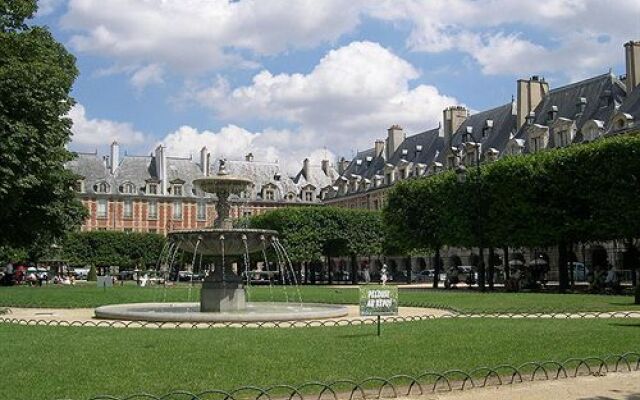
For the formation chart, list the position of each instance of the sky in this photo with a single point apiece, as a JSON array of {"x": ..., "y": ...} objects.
[{"x": 290, "y": 79}]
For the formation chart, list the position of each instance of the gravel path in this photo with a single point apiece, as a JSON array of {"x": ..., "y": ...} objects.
[{"x": 613, "y": 386}]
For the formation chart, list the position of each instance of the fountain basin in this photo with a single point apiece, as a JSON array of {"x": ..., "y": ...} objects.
[
  {"x": 190, "y": 312},
  {"x": 211, "y": 240}
]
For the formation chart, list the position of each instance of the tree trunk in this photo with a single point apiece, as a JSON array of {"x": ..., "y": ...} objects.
[
  {"x": 354, "y": 269},
  {"x": 505, "y": 263},
  {"x": 407, "y": 266},
  {"x": 563, "y": 270},
  {"x": 329, "y": 270},
  {"x": 490, "y": 271},
  {"x": 306, "y": 272},
  {"x": 313, "y": 272},
  {"x": 436, "y": 269},
  {"x": 481, "y": 271}
]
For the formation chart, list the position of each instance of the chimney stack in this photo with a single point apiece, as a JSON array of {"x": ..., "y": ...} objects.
[
  {"x": 205, "y": 161},
  {"x": 530, "y": 94},
  {"x": 342, "y": 165},
  {"x": 378, "y": 147},
  {"x": 115, "y": 156},
  {"x": 161, "y": 167},
  {"x": 632, "y": 59},
  {"x": 325, "y": 167},
  {"x": 395, "y": 137},
  {"x": 305, "y": 168},
  {"x": 452, "y": 118}
]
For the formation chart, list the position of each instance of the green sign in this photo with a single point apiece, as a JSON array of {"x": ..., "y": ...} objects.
[{"x": 378, "y": 300}]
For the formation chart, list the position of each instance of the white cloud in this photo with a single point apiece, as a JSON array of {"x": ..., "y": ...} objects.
[
  {"x": 151, "y": 74},
  {"x": 345, "y": 102},
  {"x": 562, "y": 37},
  {"x": 200, "y": 35},
  {"x": 233, "y": 143},
  {"x": 89, "y": 133}
]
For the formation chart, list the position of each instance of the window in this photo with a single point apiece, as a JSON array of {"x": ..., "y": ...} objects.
[
  {"x": 537, "y": 144},
  {"x": 102, "y": 208},
  {"x": 102, "y": 187},
  {"x": 389, "y": 178},
  {"x": 177, "y": 209},
  {"x": 152, "y": 209},
  {"x": 201, "y": 211},
  {"x": 152, "y": 188},
  {"x": 563, "y": 139},
  {"x": 176, "y": 190},
  {"x": 308, "y": 196},
  {"x": 246, "y": 213},
  {"x": 153, "y": 230},
  {"x": 127, "y": 188},
  {"x": 128, "y": 230},
  {"x": 269, "y": 194},
  {"x": 78, "y": 186},
  {"x": 376, "y": 205},
  {"x": 127, "y": 211}
]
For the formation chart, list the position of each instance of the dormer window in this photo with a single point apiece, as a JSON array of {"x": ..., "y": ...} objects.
[
  {"x": 276, "y": 177},
  {"x": 101, "y": 187},
  {"x": 308, "y": 195},
  {"x": 152, "y": 188},
  {"x": 176, "y": 189},
  {"x": 127, "y": 188},
  {"x": 269, "y": 193},
  {"x": 291, "y": 196},
  {"x": 78, "y": 186},
  {"x": 369, "y": 159},
  {"x": 419, "y": 148},
  {"x": 405, "y": 152},
  {"x": 563, "y": 138},
  {"x": 358, "y": 162}
]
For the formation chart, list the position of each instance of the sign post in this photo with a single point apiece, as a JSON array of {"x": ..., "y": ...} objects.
[{"x": 378, "y": 300}]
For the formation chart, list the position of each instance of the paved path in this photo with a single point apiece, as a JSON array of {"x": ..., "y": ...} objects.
[
  {"x": 86, "y": 315},
  {"x": 614, "y": 386}
]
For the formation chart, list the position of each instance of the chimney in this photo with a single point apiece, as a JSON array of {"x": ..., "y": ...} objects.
[
  {"x": 342, "y": 165},
  {"x": 632, "y": 59},
  {"x": 305, "y": 168},
  {"x": 249, "y": 157},
  {"x": 378, "y": 147},
  {"x": 530, "y": 94},
  {"x": 395, "y": 137},
  {"x": 161, "y": 167},
  {"x": 115, "y": 156},
  {"x": 205, "y": 161},
  {"x": 325, "y": 167},
  {"x": 452, "y": 118}
]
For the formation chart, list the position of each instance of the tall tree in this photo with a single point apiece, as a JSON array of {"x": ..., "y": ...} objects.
[{"x": 36, "y": 76}]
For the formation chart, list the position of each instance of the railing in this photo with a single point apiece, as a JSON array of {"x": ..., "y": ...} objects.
[{"x": 412, "y": 385}]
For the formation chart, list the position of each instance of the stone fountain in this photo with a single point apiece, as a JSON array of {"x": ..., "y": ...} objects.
[
  {"x": 223, "y": 290},
  {"x": 223, "y": 296}
]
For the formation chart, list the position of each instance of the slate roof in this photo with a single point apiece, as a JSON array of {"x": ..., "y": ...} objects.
[
  {"x": 593, "y": 90},
  {"x": 140, "y": 169},
  {"x": 430, "y": 144},
  {"x": 364, "y": 167},
  {"x": 631, "y": 105}
]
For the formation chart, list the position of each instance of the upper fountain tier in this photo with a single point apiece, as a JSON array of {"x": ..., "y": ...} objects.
[{"x": 223, "y": 183}]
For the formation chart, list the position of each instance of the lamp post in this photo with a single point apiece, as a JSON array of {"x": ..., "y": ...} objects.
[{"x": 461, "y": 174}]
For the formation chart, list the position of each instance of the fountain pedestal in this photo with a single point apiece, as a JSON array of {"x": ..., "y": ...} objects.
[{"x": 216, "y": 296}]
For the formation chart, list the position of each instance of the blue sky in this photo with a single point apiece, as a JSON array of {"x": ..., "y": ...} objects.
[{"x": 289, "y": 79}]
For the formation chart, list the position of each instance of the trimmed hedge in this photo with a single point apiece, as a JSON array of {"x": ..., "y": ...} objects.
[{"x": 586, "y": 192}]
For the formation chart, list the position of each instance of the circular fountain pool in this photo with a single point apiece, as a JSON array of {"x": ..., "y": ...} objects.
[{"x": 190, "y": 312}]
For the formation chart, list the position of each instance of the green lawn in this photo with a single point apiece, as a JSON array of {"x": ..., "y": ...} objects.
[
  {"x": 63, "y": 362},
  {"x": 90, "y": 296}
]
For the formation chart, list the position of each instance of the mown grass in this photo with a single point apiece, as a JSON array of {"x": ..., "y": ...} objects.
[
  {"x": 90, "y": 296},
  {"x": 77, "y": 363}
]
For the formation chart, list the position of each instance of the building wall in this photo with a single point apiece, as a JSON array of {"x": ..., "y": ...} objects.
[
  {"x": 140, "y": 221},
  {"x": 371, "y": 200}
]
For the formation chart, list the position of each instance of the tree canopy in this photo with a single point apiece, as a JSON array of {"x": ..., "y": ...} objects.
[
  {"x": 36, "y": 76},
  {"x": 580, "y": 193},
  {"x": 105, "y": 248},
  {"x": 309, "y": 233}
]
